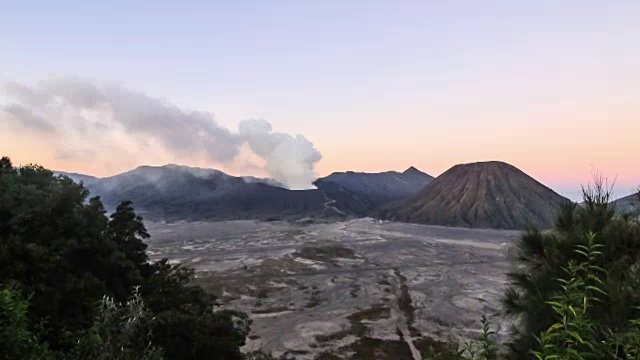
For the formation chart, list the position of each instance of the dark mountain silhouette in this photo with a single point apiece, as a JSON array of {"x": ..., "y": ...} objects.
[
  {"x": 174, "y": 192},
  {"x": 628, "y": 203},
  {"x": 362, "y": 193},
  {"x": 485, "y": 195},
  {"x": 86, "y": 179}
]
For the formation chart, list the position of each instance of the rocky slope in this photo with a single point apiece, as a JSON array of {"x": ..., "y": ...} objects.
[
  {"x": 484, "y": 195},
  {"x": 363, "y": 193},
  {"x": 627, "y": 203}
]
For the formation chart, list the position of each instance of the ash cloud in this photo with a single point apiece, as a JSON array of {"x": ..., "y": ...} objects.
[
  {"x": 286, "y": 157},
  {"x": 70, "y": 103}
]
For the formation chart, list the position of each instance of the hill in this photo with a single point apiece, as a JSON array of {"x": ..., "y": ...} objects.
[
  {"x": 174, "y": 192},
  {"x": 484, "y": 195},
  {"x": 627, "y": 203},
  {"x": 362, "y": 193},
  {"x": 86, "y": 179}
]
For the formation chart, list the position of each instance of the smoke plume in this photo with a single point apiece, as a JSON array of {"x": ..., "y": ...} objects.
[{"x": 77, "y": 107}]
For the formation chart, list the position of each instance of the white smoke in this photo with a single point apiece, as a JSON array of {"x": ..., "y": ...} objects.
[
  {"x": 63, "y": 103},
  {"x": 288, "y": 159}
]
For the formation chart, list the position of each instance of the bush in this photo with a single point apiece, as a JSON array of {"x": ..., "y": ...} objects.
[
  {"x": 119, "y": 331},
  {"x": 16, "y": 340},
  {"x": 544, "y": 258},
  {"x": 576, "y": 292},
  {"x": 58, "y": 245}
]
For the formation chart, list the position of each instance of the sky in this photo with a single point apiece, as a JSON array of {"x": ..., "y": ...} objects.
[{"x": 552, "y": 87}]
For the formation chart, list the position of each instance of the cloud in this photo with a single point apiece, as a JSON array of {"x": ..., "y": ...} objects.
[
  {"x": 181, "y": 131},
  {"x": 24, "y": 94},
  {"x": 82, "y": 111},
  {"x": 288, "y": 159},
  {"x": 82, "y": 155},
  {"x": 28, "y": 119}
]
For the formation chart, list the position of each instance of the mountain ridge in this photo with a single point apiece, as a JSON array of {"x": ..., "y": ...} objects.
[
  {"x": 182, "y": 192},
  {"x": 627, "y": 203},
  {"x": 363, "y": 193},
  {"x": 489, "y": 194}
]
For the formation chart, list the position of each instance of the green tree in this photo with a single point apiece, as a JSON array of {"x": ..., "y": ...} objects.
[
  {"x": 185, "y": 321},
  {"x": 542, "y": 258},
  {"x": 47, "y": 249},
  {"x": 57, "y": 244},
  {"x": 575, "y": 335},
  {"x": 119, "y": 331},
  {"x": 16, "y": 340},
  {"x": 484, "y": 348}
]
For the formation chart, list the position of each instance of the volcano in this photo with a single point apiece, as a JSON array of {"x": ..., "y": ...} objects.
[{"x": 481, "y": 195}]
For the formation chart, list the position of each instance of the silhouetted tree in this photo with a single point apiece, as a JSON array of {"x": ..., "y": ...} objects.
[
  {"x": 58, "y": 245},
  {"x": 543, "y": 257},
  {"x": 16, "y": 340}
]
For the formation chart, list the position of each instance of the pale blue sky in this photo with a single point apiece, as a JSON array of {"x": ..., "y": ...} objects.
[{"x": 391, "y": 83}]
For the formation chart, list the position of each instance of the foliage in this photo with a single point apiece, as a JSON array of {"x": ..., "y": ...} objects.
[
  {"x": 544, "y": 257},
  {"x": 120, "y": 331},
  {"x": 58, "y": 245},
  {"x": 576, "y": 336},
  {"x": 485, "y": 348},
  {"x": 575, "y": 294},
  {"x": 16, "y": 340}
]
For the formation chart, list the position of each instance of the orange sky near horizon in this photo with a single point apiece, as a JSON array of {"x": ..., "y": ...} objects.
[
  {"x": 548, "y": 154},
  {"x": 558, "y": 138}
]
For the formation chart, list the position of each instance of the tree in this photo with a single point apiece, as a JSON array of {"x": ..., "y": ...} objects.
[
  {"x": 5, "y": 164},
  {"x": 185, "y": 320},
  {"x": 542, "y": 258},
  {"x": 119, "y": 331},
  {"x": 47, "y": 249},
  {"x": 16, "y": 340},
  {"x": 575, "y": 335},
  {"x": 58, "y": 245}
]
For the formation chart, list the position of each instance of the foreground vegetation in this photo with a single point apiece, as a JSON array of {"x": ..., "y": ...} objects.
[
  {"x": 77, "y": 284},
  {"x": 575, "y": 293}
]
